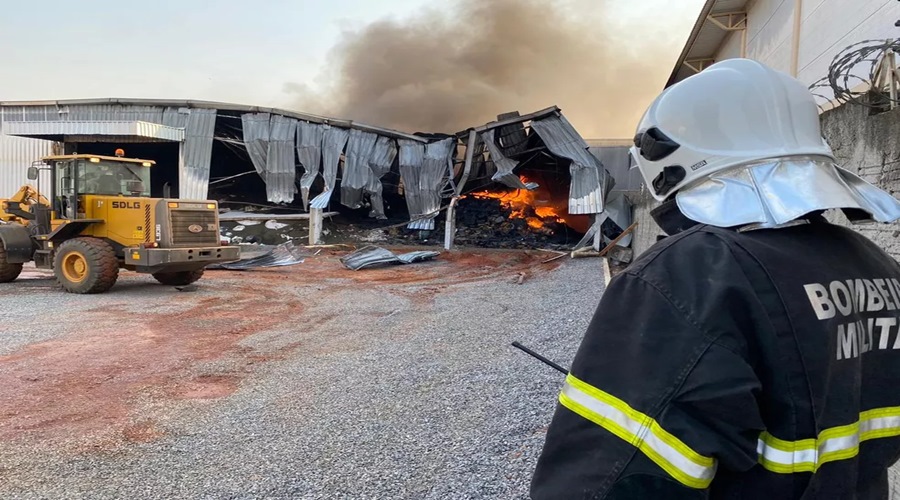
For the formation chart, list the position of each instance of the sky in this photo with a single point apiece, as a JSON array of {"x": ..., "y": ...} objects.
[{"x": 254, "y": 53}]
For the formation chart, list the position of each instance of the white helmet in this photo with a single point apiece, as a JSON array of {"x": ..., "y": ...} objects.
[{"x": 734, "y": 112}]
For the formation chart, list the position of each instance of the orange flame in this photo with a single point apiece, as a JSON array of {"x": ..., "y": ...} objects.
[{"x": 519, "y": 202}]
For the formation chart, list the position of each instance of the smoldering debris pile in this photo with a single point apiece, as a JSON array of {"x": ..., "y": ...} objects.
[{"x": 487, "y": 222}]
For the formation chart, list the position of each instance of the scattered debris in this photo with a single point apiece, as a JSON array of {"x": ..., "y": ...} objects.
[
  {"x": 256, "y": 256},
  {"x": 273, "y": 224},
  {"x": 618, "y": 238},
  {"x": 551, "y": 259},
  {"x": 373, "y": 256},
  {"x": 520, "y": 279},
  {"x": 621, "y": 254},
  {"x": 585, "y": 252},
  {"x": 336, "y": 245},
  {"x": 247, "y": 218},
  {"x": 607, "y": 272}
]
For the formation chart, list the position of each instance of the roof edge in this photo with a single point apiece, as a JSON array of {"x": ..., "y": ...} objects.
[
  {"x": 190, "y": 103},
  {"x": 695, "y": 32}
]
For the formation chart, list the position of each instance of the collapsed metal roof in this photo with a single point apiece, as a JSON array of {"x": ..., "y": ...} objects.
[{"x": 291, "y": 150}]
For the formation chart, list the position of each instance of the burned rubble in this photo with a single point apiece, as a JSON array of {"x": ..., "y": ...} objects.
[{"x": 523, "y": 181}]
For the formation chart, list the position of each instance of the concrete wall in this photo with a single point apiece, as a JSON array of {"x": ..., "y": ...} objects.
[
  {"x": 870, "y": 147},
  {"x": 646, "y": 232}
]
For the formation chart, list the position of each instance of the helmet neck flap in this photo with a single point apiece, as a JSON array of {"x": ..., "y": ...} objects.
[{"x": 740, "y": 144}]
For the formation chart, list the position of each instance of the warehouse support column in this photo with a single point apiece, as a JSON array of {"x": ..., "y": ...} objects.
[
  {"x": 182, "y": 173},
  {"x": 795, "y": 40},
  {"x": 450, "y": 223},
  {"x": 315, "y": 226}
]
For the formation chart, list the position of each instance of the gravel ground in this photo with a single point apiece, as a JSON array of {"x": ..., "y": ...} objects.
[{"x": 383, "y": 389}]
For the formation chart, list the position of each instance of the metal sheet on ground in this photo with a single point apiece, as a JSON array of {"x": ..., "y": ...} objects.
[{"x": 374, "y": 256}]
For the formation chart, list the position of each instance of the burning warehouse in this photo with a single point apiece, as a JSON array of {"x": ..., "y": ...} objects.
[{"x": 526, "y": 180}]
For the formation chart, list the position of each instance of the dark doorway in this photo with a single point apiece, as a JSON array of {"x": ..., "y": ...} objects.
[{"x": 165, "y": 154}]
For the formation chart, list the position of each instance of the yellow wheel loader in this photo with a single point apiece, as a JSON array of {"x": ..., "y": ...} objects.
[{"x": 98, "y": 217}]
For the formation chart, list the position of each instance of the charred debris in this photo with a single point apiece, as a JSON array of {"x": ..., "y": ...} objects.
[{"x": 522, "y": 181}]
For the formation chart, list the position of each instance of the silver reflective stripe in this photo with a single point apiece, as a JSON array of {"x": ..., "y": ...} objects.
[
  {"x": 642, "y": 432},
  {"x": 837, "y": 443}
]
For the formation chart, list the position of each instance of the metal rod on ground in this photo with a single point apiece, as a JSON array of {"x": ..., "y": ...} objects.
[
  {"x": 617, "y": 239},
  {"x": 542, "y": 359}
]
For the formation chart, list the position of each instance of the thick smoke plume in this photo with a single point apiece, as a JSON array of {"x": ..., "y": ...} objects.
[{"x": 443, "y": 71}]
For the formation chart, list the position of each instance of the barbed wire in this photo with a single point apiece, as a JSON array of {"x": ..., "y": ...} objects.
[{"x": 853, "y": 66}]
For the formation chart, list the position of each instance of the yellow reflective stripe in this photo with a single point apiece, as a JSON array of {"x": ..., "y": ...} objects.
[
  {"x": 641, "y": 431},
  {"x": 642, "y": 419},
  {"x": 836, "y": 443}
]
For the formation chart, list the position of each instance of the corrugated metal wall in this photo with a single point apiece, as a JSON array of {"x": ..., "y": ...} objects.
[
  {"x": 16, "y": 155},
  {"x": 198, "y": 124},
  {"x": 618, "y": 163}
]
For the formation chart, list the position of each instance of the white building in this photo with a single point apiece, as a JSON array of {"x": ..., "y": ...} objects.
[{"x": 799, "y": 37}]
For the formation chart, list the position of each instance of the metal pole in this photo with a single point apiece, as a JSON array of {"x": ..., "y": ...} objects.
[
  {"x": 470, "y": 153},
  {"x": 744, "y": 38},
  {"x": 795, "y": 47},
  {"x": 450, "y": 222}
]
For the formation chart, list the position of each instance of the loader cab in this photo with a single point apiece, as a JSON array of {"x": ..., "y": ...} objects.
[{"x": 73, "y": 176}]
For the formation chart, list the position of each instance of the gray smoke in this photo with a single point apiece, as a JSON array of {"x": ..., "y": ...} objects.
[{"x": 444, "y": 71}]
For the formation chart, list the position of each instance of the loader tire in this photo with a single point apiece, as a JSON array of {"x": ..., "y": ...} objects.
[
  {"x": 8, "y": 272},
  {"x": 86, "y": 265},
  {"x": 179, "y": 278}
]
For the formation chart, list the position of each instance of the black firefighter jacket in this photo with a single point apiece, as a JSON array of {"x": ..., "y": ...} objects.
[{"x": 724, "y": 364}]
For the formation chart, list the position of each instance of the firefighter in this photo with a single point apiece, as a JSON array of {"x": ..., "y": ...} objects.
[{"x": 755, "y": 352}]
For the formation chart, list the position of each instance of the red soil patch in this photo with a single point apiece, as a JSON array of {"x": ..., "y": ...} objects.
[{"x": 90, "y": 381}]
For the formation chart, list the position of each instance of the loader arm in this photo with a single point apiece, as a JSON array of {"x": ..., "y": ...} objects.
[{"x": 19, "y": 204}]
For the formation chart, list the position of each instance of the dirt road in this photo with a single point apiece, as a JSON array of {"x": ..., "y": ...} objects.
[{"x": 310, "y": 381}]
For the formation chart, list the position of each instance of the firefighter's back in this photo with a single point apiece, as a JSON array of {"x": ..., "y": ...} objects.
[{"x": 830, "y": 367}]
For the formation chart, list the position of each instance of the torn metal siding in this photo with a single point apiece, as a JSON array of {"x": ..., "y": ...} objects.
[
  {"x": 193, "y": 179},
  {"x": 619, "y": 210},
  {"x": 512, "y": 138},
  {"x": 256, "y": 139},
  {"x": 356, "y": 172},
  {"x": 309, "y": 152},
  {"x": 333, "y": 142},
  {"x": 590, "y": 181},
  {"x": 503, "y": 164},
  {"x": 412, "y": 155},
  {"x": 281, "y": 170},
  {"x": 380, "y": 162},
  {"x": 422, "y": 183}
]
